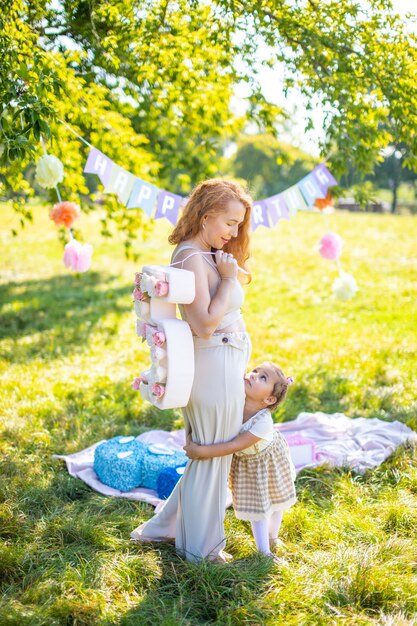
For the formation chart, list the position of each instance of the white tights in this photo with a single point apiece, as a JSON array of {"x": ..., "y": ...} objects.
[{"x": 266, "y": 530}]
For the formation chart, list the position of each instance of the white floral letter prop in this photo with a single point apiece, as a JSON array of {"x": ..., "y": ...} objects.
[{"x": 158, "y": 289}]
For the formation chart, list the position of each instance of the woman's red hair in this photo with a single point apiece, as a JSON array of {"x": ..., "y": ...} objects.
[{"x": 210, "y": 197}]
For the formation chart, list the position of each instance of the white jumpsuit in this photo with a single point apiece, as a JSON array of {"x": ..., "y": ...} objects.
[{"x": 194, "y": 513}]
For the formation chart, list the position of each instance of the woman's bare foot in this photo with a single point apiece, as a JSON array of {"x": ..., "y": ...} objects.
[
  {"x": 222, "y": 557},
  {"x": 138, "y": 538}
]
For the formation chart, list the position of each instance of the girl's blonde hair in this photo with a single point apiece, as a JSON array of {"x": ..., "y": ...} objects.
[
  {"x": 210, "y": 197},
  {"x": 280, "y": 388}
]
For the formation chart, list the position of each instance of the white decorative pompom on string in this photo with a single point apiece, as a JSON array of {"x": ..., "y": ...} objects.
[
  {"x": 344, "y": 287},
  {"x": 49, "y": 171}
]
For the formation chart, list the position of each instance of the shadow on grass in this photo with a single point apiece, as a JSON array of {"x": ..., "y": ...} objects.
[
  {"x": 57, "y": 314},
  {"x": 320, "y": 393},
  {"x": 323, "y": 392},
  {"x": 318, "y": 485},
  {"x": 204, "y": 593},
  {"x": 101, "y": 412}
]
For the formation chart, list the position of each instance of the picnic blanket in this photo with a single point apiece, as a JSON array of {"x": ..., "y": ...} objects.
[{"x": 359, "y": 443}]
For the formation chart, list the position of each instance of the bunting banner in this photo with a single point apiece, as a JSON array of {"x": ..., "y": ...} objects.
[{"x": 134, "y": 193}]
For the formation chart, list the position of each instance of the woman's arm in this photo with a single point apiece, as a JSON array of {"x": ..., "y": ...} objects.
[
  {"x": 240, "y": 442},
  {"x": 205, "y": 312}
]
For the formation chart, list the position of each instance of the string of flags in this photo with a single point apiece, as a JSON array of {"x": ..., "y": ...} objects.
[
  {"x": 310, "y": 193},
  {"x": 134, "y": 192}
]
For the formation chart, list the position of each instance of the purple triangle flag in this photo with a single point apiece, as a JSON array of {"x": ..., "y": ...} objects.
[
  {"x": 98, "y": 163},
  {"x": 259, "y": 215},
  {"x": 323, "y": 178},
  {"x": 277, "y": 208},
  {"x": 168, "y": 205}
]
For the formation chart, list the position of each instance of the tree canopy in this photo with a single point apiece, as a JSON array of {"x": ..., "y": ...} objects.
[
  {"x": 150, "y": 84},
  {"x": 269, "y": 166}
]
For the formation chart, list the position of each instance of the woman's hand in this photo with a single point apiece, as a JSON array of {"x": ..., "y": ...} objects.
[
  {"x": 226, "y": 264},
  {"x": 193, "y": 450}
]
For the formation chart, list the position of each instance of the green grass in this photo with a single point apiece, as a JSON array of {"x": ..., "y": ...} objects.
[{"x": 68, "y": 353}]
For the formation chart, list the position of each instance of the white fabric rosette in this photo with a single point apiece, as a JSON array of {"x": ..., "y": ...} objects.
[
  {"x": 147, "y": 284},
  {"x": 158, "y": 353},
  {"x": 157, "y": 374},
  {"x": 142, "y": 309}
]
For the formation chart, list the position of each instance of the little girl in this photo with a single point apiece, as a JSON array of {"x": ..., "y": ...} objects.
[{"x": 262, "y": 473}]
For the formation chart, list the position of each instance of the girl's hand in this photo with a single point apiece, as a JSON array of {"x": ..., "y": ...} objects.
[
  {"x": 226, "y": 264},
  {"x": 193, "y": 450}
]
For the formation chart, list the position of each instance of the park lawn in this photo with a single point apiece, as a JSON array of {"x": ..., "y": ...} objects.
[{"x": 68, "y": 353}]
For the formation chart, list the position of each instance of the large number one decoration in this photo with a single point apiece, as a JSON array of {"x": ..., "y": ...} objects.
[{"x": 158, "y": 289}]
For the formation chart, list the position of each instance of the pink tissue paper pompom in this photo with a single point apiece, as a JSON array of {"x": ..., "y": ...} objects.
[
  {"x": 331, "y": 246},
  {"x": 158, "y": 338},
  {"x": 158, "y": 390},
  {"x": 161, "y": 288},
  {"x": 78, "y": 256}
]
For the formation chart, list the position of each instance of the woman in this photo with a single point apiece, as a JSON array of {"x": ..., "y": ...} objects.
[{"x": 216, "y": 217}]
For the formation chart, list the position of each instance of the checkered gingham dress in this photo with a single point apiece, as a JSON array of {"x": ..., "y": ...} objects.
[{"x": 263, "y": 482}]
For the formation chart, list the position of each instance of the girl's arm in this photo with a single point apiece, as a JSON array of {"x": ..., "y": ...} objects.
[
  {"x": 240, "y": 442},
  {"x": 205, "y": 313}
]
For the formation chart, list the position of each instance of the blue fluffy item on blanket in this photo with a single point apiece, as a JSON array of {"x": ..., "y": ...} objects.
[
  {"x": 166, "y": 481},
  {"x": 155, "y": 461},
  {"x": 124, "y": 463},
  {"x": 118, "y": 462}
]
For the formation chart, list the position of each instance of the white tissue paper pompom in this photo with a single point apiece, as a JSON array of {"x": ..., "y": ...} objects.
[
  {"x": 344, "y": 287},
  {"x": 49, "y": 171}
]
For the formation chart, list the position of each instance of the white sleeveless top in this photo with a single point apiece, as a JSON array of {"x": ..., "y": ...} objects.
[{"x": 236, "y": 297}]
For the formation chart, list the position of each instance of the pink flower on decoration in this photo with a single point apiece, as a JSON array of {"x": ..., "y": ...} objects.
[
  {"x": 158, "y": 390},
  {"x": 331, "y": 246},
  {"x": 161, "y": 288},
  {"x": 138, "y": 380},
  {"x": 138, "y": 277},
  {"x": 78, "y": 256},
  {"x": 158, "y": 338},
  {"x": 138, "y": 294}
]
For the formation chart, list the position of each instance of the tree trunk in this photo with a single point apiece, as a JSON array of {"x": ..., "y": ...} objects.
[
  {"x": 394, "y": 196},
  {"x": 395, "y": 182}
]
